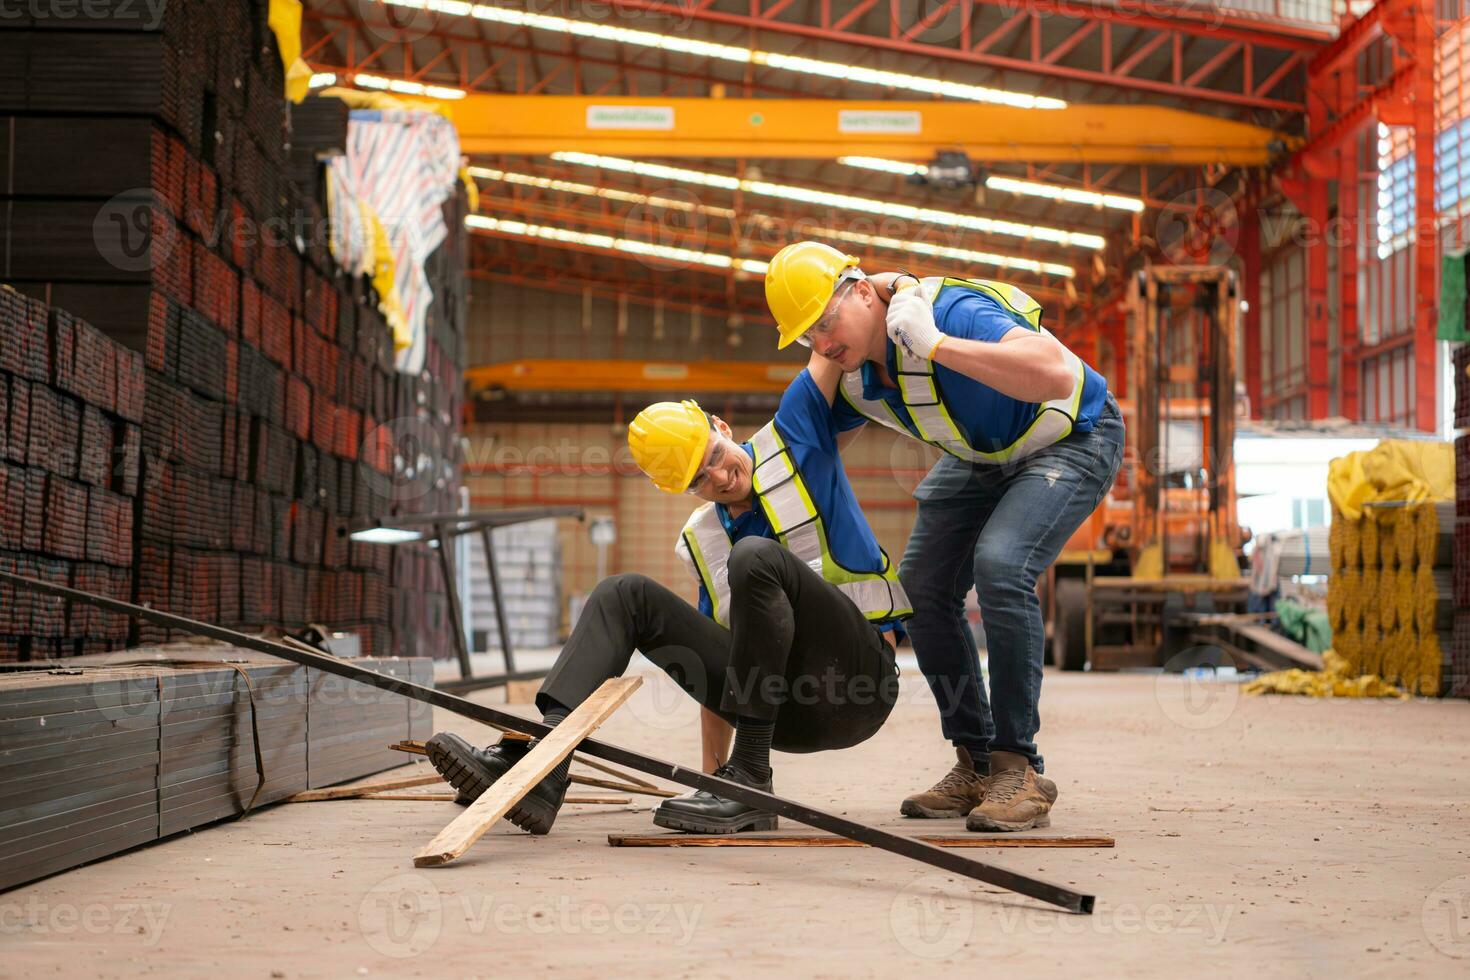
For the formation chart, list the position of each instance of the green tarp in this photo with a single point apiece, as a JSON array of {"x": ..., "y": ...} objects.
[
  {"x": 1308, "y": 627},
  {"x": 1452, "y": 300}
]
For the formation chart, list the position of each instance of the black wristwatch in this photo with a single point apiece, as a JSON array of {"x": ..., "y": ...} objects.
[{"x": 893, "y": 286}]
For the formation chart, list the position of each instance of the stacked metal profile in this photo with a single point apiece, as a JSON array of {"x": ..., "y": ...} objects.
[
  {"x": 146, "y": 192},
  {"x": 71, "y": 402},
  {"x": 1458, "y": 680},
  {"x": 96, "y": 760},
  {"x": 528, "y": 558}
]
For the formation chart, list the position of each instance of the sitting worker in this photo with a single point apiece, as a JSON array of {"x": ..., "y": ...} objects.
[
  {"x": 792, "y": 640},
  {"x": 1031, "y": 441}
]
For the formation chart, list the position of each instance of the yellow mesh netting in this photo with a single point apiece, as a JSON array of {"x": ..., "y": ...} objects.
[
  {"x": 1382, "y": 600},
  {"x": 1336, "y": 680}
]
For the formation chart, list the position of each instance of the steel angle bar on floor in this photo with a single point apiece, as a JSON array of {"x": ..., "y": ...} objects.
[
  {"x": 1045, "y": 891},
  {"x": 812, "y": 840}
]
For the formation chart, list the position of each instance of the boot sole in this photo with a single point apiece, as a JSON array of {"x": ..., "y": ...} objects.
[
  {"x": 911, "y": 809},
  {"x": 471, "y": 780},
  {"x": 729, "y": 825},
  {"x": 982, "y": 823}
]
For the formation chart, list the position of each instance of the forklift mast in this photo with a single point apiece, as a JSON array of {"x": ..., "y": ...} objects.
[{"x": 1183, "y": 330}]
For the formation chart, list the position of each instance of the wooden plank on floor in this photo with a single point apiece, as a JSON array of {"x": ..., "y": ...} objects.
[
  {"x": 623, "y": 787},
  {"x": 362, "y": 789},
  {"x": 450, "y": 797},
  {"x": 626, "y": 777},
  {"x": 417, "y": 748},
  {"x": 496, "y": 802},
  {"x": 813, "y": 840}
]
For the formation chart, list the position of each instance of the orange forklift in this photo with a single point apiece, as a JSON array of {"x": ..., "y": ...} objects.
[{"x": 1160, "y": 560}]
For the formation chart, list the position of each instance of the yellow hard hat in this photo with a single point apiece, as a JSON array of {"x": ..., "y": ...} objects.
[
  {"x": 800, "y": 283},
  {"x": 668, "y": 440}
]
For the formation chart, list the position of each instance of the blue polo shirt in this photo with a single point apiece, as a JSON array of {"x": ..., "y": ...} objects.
[
  {"x": 989, "y": 420},
  {"x": 806, "y": 424}
]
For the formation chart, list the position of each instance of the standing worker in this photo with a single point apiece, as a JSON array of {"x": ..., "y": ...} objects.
[
  {"x": 1031, "y": 439},
  {"x": 792, "y": 640}
]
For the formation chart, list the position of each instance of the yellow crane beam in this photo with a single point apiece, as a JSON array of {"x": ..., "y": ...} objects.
[{"x": 827, "y": 128}]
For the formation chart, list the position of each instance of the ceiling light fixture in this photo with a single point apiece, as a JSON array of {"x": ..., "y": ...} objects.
[
  {"x": 805, "y": 195},
  {"x": 505, "y": 226},
  {"x": 405, "y": 87},
  {"x": 965, "y": 255},
  {"x": 609, "y": 193},
  {"x": 1071, "y": 195}
]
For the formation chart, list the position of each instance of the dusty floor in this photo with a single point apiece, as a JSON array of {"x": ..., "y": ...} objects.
[{"x": 1255, "y": 837}]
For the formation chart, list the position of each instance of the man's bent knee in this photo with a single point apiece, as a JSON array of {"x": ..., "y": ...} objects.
[
  {"x": 748, "y": 554},
  {"x": 931, "y": 594},
  {"x": 617, "y": 588},
  {"x": 995, "y": 569}
]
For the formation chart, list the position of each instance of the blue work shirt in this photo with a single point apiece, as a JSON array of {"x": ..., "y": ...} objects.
[
  {"x": 807, "y": 426},
  {"x": 988, "y": 420}
]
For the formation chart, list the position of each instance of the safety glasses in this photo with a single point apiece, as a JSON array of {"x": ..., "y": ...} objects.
[
  {"x": 828, "y": 319},
  {"x": 702, "y": 474}
]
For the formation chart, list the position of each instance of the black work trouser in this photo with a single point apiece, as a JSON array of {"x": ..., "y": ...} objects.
[{"x": 798, "y": 652}]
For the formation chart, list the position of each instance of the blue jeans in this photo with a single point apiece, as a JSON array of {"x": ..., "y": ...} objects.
[{"x": 998, "y": 526}]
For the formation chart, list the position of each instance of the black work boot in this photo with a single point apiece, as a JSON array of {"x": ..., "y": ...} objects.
[
  {"x": 472, "y": 771},
  {"x": 705, "y": 813}
]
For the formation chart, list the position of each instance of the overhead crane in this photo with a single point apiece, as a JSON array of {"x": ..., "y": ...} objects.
[{"x": 827, "y": 128}]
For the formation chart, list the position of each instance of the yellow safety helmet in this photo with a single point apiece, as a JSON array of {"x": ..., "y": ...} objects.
[
  {"x": 668, "y": 440},
  {"x": 800, "y": 283}
]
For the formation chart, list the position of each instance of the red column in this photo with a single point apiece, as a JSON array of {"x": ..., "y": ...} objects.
[
  {"x": 1318, "y": 404},
  {"x": 1426, "y": 229},
  {"x": 1347, "y": 269},
  {"x": 1250, "y": 290},
  {"x": 1117, "y": 328}
]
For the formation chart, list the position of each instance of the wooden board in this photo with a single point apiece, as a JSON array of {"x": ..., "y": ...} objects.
[
  {"x": 417, "y": 748},
  {"x": 362, "y": 789},
  {"x": 450, "y": 798},
  {"x": 626, "y": 777},
  {"x": 769, "y": 840},
  {"x": 497, "y": 801},
  {"x": 624, "y": 787}
]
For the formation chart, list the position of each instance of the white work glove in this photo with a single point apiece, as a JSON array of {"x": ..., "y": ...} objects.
[{"x": 911, "y": 323}]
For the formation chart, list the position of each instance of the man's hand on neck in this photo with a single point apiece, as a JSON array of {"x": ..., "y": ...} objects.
[{"x": 883, "y": 282}]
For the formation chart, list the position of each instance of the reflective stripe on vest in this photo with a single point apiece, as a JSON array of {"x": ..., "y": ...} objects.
[
  {"x": 919, "y": 388},
  {"x": 705, "y": 545}
]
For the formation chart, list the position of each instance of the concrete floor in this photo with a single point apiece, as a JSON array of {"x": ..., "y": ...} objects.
[{"x": 1255, "y": 837}]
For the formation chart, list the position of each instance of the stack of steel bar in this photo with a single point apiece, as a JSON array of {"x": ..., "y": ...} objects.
[
  {"x": 102, "y": 758},
  {"x": 70, "y": 405},
  {"x": 271, "y": 408},
  {"x": 1390, "y": 595},
  {"x": 1458, "y": 672}
]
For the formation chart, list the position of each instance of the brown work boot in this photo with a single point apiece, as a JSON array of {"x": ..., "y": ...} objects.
[
  {"x": 1016, "y": 798},
  {"x": 959, "y": 792}
]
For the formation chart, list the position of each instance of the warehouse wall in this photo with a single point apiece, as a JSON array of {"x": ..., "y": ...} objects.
[{"x": 519, "y": 464}]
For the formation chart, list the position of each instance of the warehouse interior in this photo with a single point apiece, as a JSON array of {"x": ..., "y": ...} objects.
[{"x": 340, "y": 342}]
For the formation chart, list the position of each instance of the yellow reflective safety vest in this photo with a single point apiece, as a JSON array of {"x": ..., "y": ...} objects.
[
  {"x": 925, "y": 403},
  {"x": 705, "y": 545}
]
